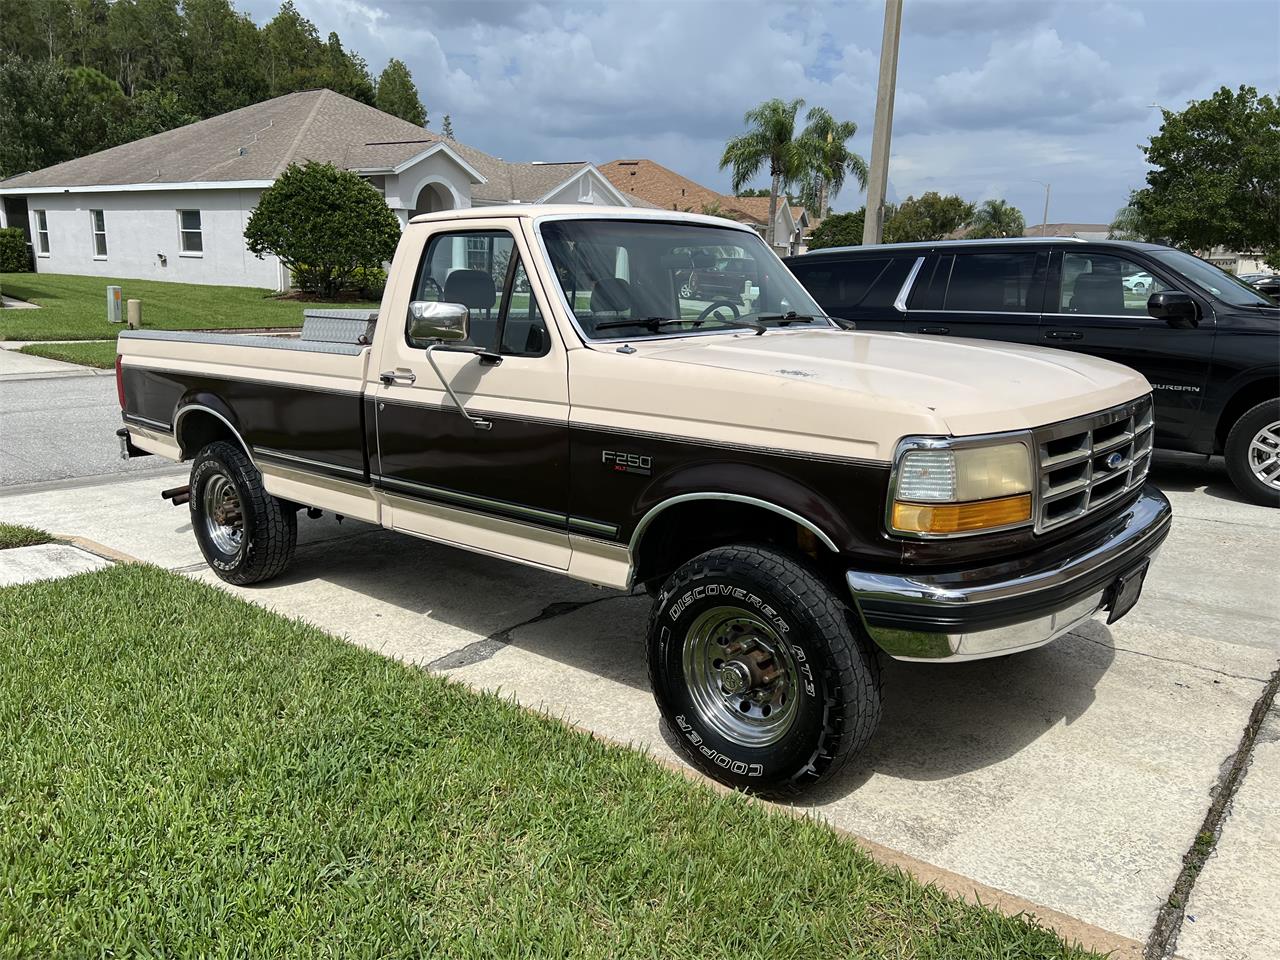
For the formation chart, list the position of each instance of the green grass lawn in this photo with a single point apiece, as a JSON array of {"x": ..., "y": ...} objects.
[
  {"x": 91, "y": 353},
  {"x": 75, "y": 308},
  {"x": 184, "y": 774},
  {"x": 16, "y": 535}
]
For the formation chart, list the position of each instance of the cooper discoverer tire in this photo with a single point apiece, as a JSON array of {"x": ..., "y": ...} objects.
[
  {"x": 758, "y": 673},
  {"x": 245, "y": 534},
  {"x": 1253, "y": 452}
]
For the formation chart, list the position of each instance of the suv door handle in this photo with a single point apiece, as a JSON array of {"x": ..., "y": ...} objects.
[
  {"x": 1064, "y": 335},
  {"x": 395, "y": 376},
  {"x": 933, "y": 329}
]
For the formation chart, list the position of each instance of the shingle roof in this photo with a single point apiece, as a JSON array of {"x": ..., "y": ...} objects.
[
  {"x": 661, "y": 187},
  {"x": 258, "y": 142},
  {"x": 252, "y": 143}
]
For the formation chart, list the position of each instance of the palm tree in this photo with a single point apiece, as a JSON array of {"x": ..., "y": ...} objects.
[
  {"x": 825, "y": 140},
  {"x": 997, "y": 218},
  {"x": 771, "y": 140}
]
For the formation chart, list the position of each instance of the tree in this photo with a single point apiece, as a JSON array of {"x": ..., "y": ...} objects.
[
  {"x": 771, "y": 140},
  {"x": 446, "y": 128},
  {"x": 398, "y": 96},
  {"x": 829, "y": 158},
  {"x": 839, "y": 230},
  {"x": 324, "y": 224},
  {"x": 1217, "y": 175},
  {"x": 751, "y": 192},
  {"x": 346, "y": 73},
  {"x": 931, "y": 217},
  {"x": 997, "y": 218},
  {"x": 1129, "y": 224},
  {"x": 152, "y": 112}
]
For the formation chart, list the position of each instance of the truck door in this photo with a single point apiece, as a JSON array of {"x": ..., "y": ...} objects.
[
  {"x": 1097, "y": 304},
  {"x": 500, "y": 485},
  {"x": 987, "y": 294}
]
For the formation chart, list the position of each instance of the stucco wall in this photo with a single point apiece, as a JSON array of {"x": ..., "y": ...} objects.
[{"x": 141, "y": 225}]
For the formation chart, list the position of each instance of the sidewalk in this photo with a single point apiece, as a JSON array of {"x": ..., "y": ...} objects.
[{"x": 24, "y": 366}]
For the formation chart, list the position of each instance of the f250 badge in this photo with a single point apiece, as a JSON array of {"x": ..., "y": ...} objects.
[{"x": 619, "y": 461}]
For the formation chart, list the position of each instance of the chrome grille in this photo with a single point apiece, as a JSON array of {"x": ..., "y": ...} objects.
[{"x": 1087, "y": 462}]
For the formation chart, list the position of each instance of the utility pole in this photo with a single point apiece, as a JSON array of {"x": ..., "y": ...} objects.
[
  {"x": 1044, "y": 220},
  {"x": 873, "y": 225}
]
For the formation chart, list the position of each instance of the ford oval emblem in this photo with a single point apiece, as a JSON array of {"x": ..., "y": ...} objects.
[{"x": 1113, "y": 462}]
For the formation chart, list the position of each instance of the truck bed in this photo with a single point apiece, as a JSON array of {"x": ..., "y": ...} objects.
[{"x": 295, "y": 400}]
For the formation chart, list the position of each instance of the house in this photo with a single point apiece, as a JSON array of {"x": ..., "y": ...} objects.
[
  {"x": 661, "y": 187},
  {"x": 174, "y": 206},
  {"x": 1081, "y": 231}
]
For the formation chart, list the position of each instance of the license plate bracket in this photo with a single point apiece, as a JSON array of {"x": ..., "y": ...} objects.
[{"x": 1126, "y": 590}]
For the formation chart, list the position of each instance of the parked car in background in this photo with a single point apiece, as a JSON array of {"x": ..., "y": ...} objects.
[
  {"x": 791, "y": 493},
  {"x": 1268, "y": 284},
  {"x": 1208, "y": 343},
  {"x": 717, "y": 278}
]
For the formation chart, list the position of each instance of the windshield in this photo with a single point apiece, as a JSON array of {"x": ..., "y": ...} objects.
[
  {"x": 1224, "y": 286},
  {"x": 633, "y": 279}
]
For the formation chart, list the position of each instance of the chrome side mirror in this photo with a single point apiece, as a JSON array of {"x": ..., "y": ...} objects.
[{"x": 430, "y": 320}]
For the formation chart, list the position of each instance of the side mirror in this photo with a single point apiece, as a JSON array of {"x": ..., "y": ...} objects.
[
  {"x": 1175, "y": 308},
  {"x": 440, "y": 322}
]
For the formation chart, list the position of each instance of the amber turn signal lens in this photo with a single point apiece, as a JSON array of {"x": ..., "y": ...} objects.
[{"x": 961, "y": 517}]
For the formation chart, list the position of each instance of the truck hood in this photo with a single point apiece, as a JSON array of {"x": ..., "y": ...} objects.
[{"x": 973, "y": 386}]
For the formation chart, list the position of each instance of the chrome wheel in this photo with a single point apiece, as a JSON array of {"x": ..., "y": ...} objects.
[
  {"x": 1264, "y": 455},
  {"x": 223, "y": 521},
  {"x": 741, "y": 676}
]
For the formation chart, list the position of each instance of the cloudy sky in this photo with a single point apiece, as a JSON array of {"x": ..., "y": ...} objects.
[{"x": 993, "y": 95}]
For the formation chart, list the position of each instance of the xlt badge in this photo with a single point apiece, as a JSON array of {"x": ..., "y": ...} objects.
[{"x": 620, "y": 461}]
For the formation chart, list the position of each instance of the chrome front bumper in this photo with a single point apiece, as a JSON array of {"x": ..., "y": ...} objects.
[{"x": 1012, "y": 606}]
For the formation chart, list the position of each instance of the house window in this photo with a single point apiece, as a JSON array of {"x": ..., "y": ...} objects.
[
  {"x": 42, "y": 233},
  {"x": 190, "y": 235},
  {"x": 99, "y": 225}
]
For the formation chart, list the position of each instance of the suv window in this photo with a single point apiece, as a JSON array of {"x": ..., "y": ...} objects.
[
  {"x": 1102, "y": 284},
  {"x": 992, "y": 282},
  {"x": 843, "y": 286},
  {"x": 482, "y": 271}
]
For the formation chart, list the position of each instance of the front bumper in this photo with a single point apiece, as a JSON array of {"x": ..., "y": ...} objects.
[{"x": 1011, "y": 606}]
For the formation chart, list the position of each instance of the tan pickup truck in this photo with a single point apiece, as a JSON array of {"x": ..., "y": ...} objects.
[{"x": 542, "y": 384}]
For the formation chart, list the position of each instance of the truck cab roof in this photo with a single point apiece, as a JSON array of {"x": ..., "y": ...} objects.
[{"x": 578, "y": 210}]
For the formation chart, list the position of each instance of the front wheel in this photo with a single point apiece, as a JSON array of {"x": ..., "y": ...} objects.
[
  {"x": 1253, "y": 454},
  {"x": 758, "y": 673},
  {"x": 245, "y": 534}
]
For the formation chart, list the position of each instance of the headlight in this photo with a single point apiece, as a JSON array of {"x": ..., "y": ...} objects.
[{"x": 946, "y": 487}]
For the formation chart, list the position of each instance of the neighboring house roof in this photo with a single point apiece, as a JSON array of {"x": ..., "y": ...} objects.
[
  {"x": 1085, "y": 231},
  {"x": 663, "y": 188},
  {"x": 255, "y": 144}
]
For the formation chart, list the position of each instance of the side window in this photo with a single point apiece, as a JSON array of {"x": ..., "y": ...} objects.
[
  {"x": 840, "y": 286},
  {"x": 482, "y": 271},
  {"x": 524, "y": 331},
  {"x": 931, "y": 283},
  {"x": 470, "y": 269},
  {"x": 1104, "y": 285},
  {"x": 992, "y": 283}
]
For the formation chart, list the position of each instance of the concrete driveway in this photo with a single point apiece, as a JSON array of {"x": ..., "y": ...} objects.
[{"x": 1076, "y": 776}]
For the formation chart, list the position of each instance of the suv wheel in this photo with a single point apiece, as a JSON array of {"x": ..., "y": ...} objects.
[
  {"x": 758, "y": 673},
  {"x": 1253, "y": 454},
  {"x": 245, "y": 534}
]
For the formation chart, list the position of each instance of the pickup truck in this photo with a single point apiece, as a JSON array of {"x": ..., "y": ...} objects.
[{"x": 799, "y": 498}]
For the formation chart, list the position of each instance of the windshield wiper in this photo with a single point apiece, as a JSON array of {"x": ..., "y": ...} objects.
[
  {"x": 655, "y": 324},
  {"x": 785, "y": 319}
]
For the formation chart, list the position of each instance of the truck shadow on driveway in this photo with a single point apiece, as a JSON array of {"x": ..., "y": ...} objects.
[
  {"x": 1187, "y": 473},
  {"x": 940, "y": 720}
]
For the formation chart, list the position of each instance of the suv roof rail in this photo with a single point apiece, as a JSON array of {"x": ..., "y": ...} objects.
[{"x": 930, "y": 244}]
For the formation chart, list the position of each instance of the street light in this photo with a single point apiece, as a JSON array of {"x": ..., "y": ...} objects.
[
  {"x": 1044, "y": 221},
  {"x": 873, "y": 223}
]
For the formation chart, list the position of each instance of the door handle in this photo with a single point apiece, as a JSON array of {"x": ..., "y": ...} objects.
[
  {"x": 1064, "y": 335},
  {"x": 933, "y": 329},
  {"x": 395, "y": 376}
]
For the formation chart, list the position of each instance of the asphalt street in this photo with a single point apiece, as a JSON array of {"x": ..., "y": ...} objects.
[
  {"x": 1074, "y": 777},
  {"x": 60, "y": 427}
]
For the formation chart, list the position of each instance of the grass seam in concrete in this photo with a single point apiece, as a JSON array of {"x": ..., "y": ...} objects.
[{"x": 1164, "y": 935}]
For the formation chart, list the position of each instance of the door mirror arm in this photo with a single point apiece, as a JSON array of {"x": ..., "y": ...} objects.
[{"x": 477, "y": 422}]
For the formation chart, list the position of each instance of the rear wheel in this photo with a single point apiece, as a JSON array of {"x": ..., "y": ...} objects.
[
  {"x": 758, "y": 673},
  {"x": 245, "y": 534},
  {"x": 1253, "y": 454}
]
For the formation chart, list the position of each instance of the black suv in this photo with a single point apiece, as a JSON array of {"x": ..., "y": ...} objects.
[{"x": 1208, "y": 343}]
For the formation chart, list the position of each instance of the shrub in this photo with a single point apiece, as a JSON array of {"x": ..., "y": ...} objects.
[
  {"x": 324, "y": 224},
  {"x": 14, "y": 257}
]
